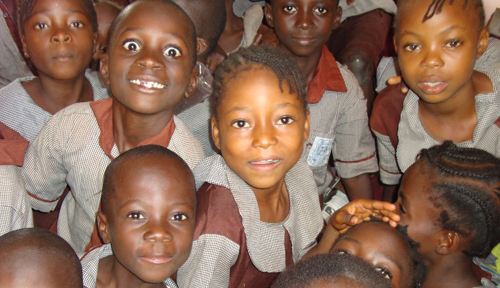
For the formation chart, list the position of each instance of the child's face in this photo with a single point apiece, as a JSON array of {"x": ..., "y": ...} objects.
[
  {"x": 151, "y": 217},
  {"x": 417, "y": 210},
  {"x": 303, "y": 26},
  {"x": 382, "y": 247},
  {"x": 150, "y": 57},
  {"x": 106, "y": 13},
  {"x": 260, "y": 130},
  {"x": 58, "y": 38},
  {"x": 437, "y": 56}
]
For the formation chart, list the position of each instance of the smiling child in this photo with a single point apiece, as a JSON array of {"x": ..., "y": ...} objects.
[
  {"x": 438, "y": 43},
  {"x": 147, "y": 220},
  {"x": 149, "y": 68},
  {"x": 339, "y": 119}
]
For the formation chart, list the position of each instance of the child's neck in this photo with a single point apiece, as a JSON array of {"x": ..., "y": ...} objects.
[
  {"x": 111, "y": 274},
  {"x": 131, "y": 128},
  {"x": 308, "y": 65},
  {"x": 451, "y": 271},
  {"x": 231, "y": 37},
  {"x": 53, "y": 95},
  {"x": 274, "y": 202},
  {"x": 455, "y": 119}
]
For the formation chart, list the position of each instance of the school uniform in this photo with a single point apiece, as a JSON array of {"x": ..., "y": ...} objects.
[
  {"x": 232, "y": 247},
  {"x": 339, "y": 124},
  {"x": 401, "y": 136},
  {"x": 90, "y": 266},
  {"x": 74, "y": 149},
  {"x": 15, "y": 209},
  {"x": 19, "y": 112}
]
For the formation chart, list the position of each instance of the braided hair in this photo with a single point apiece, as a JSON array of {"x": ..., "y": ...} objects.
[
  {"x": 437, "y": 6},
  {"x": 257, "y": 57},
  {"x": 467, "y": 187}
]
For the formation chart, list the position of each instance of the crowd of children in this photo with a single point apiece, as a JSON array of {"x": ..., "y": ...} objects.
[{"x": 176, "y": 143}]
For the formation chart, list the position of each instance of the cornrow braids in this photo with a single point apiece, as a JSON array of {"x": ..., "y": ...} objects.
[
  {"x": 246, "y": 59},
  {"x": 467, "y": 188}
]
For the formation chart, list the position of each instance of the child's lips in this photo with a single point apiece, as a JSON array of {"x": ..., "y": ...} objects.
[
  {"x": 157, "y": 260},
  {"x": 432, "y": 87},
  {"x": 265, "y": 165},
  {"x": 304, "y": 40}
]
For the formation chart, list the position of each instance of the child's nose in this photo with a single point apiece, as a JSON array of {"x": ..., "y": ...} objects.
[
  {"x": 432, "y": 59},
  {"x": 304, "y": 20},
  {"x": 158, "y": 232},
  {"x": 151, "y": 60},
  {"x": 60, "y": 36},
  {"x": 264, "y": 136}
]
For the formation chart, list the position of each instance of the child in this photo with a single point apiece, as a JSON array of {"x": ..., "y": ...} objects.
[
  {"x": 339, "y": 121},
  {"x": 386, "y": 248},
  {"x": 450, "y": 202},
  {"x": 331, "y": 270},
  {"x": 438, "y": 43},
  {"x": 35, "y": 257},
  {"x": 106, "y": 12},
  {"x": 15, "y": 208},
  {"x": 58, "y": 37},
  {"x": 149, "y": 67},
  {"x": 258, "y": 211},
  {"x": 147, "y": 220},
  {"x": 195, "y": 110}
]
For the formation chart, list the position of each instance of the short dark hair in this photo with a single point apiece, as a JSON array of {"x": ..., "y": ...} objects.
[
  {"x": 332, "y": 268},
  {"x": 209, "y": 18},
  {"x": 436, "y": 7},
  {"x": 258, "y": 56},
  {"x": 43, "y": 248},
  {"x": 134, "y": 154},
  {"x": 417, "y": 268},
  {"x": 192, "y": 30},
  {"x": 24, "y": 8},
  {"x": 466, "y": 186}
]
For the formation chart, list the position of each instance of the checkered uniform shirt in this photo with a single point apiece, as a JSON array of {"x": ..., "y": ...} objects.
[{"x": 67, "y": 152}]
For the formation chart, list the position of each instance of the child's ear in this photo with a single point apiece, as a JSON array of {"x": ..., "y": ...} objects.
[
  {"x": 482, "y": 44},
  {"x": 25, "y": 47},
  {"x": 215, "y": 132},
  {"x": 104, "y": 68},
  {"x": 338, "y": 17},
  {"x": 268, "y": 12},
  {"x": 448, "y": 242},
  {"x": 201, "y": 46},
  {"x": 306, "y": 125},
  {"x": 94, "y": 45},
  {"x": 102, "y": 226},
  {"x": 193, "y": 82},
  {"x": 394, "y": 42}
]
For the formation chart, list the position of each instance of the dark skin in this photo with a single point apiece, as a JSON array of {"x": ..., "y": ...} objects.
[
  {"x": 141, "y": 112},
  {"x": 233, "y": 31}
]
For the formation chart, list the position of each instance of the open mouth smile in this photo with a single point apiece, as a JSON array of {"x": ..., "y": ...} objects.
[{"x": 148, "y": 84}]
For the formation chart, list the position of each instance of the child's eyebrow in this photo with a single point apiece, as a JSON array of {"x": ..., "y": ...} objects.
[
  {"x": 142, "y": 30},
  {"x": 390, "y": 258},
  {"x": 50, "y": 12}
]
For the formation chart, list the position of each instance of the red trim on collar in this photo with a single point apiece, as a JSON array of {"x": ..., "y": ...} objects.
[
  {"x": 12, "y": 146},
  {"x": 104, "y": 114},
  {"x": 326, "y": 77}
]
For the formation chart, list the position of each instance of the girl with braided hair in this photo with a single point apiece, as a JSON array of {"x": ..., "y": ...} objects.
[{"x": 450, "y": 201}]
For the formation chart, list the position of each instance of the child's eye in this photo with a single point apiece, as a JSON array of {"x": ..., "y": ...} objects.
[
  {"x": 411, "y": 47},
  {"x": 172, "y": 52},
  {"x": 402, "y": 209},
  {"x": 384, "y": 272},
  {"x": 103, "y": 49},
  {"x": 76, "y": 25},
  {"x": 341, "y": 252},
  {"x": 179, "y": 217},
  {"x": 40, "y": 26},
  {"x": 135, "y": 215},
  {"x": 285, "y": 120},
  {"x": 321, "y": 10},
  {"x": 131, "y": 45},
  {"x": 240, "y": 124},
  {"x": 454, "y": 43},
  {"x": 289, "y": 9}
]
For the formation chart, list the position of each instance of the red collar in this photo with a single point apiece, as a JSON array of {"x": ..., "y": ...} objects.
[
  {"x": 326, "y": 77},
  {"x": 104, "y": 114},
  {"x": 12, "y": 146}
]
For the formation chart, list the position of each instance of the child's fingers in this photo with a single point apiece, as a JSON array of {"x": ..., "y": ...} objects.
[
  {"x": 257, "y": 39},
  {"x": 395, "y": 80}
]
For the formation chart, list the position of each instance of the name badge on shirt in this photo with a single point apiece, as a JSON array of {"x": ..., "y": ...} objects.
[{"x": 320, "y": 151}]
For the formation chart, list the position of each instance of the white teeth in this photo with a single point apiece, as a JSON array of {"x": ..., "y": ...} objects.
[
  {"x": 432, "y": 84},
  {"x": 148, "y": 84},
  {"x": 269, "y": 161}
]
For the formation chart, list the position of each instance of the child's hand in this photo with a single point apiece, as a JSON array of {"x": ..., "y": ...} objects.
[
  {"x": 360, "y": 210},
  {"x": 266, "y": 36},
  {"x": 215, "y": 58},
  {"x": 396, "y": 80}
]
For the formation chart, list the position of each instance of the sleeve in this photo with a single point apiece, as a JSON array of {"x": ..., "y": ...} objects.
[
  {"x": 43, "y": 171},
  {"x": 15, "y": 209},
  {"x": 353, "y": 148},
  {"x": 389, "y": 170}
]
